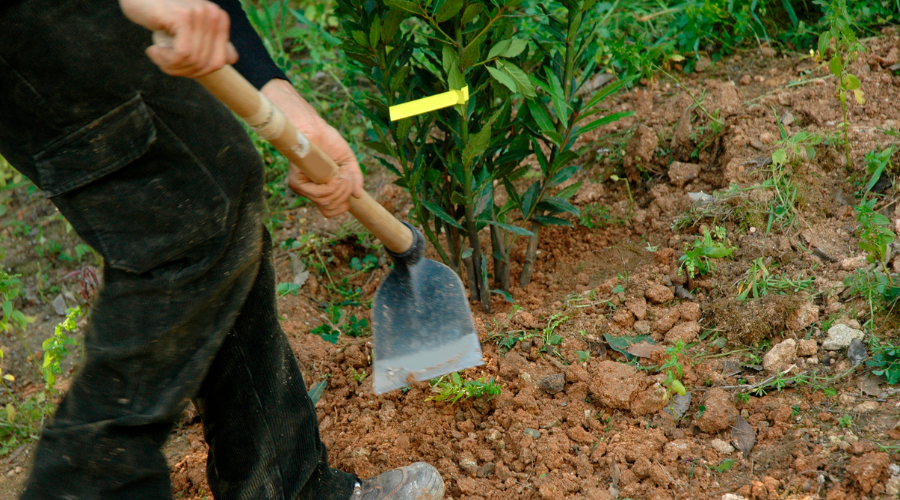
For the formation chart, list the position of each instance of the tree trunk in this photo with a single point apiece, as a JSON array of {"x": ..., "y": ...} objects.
[{"x": 530, "y": 255}]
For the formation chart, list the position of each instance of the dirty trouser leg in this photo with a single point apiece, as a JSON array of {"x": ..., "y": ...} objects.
[
  {"x": 254, "y": 402},
  {"x": 163, "y": 182}
]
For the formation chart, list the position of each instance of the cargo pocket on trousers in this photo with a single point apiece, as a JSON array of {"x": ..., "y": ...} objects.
[{"x": 132, "y": 189}]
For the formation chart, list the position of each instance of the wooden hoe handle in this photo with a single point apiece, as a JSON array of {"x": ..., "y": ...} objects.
[{"x": 269, "y": 123}]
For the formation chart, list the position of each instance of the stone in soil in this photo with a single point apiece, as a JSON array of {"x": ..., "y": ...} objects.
[
  {"x": 640, "y": 149},
  {"x": 658, "y": 294},
  {"x": 721, "y": 446},
  {"x": 854, "y": 263},
  {"x": 551, "y": 384},
  {"x": 840, "y": 336},
  {"x": 685, "y": 332},
  {"x": 683, "y": 173},
  {"x": 780, "y": 357},
  {"x": 719, "y": 413},
  {"x": 868, "y": 469},
  {"x": 807, "y": 347},
  {"x": 802, "y": 317}
]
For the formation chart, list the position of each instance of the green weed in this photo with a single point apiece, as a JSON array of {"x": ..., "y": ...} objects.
[
  {"x": 885, "y": 361},
  {"x": 596, "y": 216},
  {"x": 759, "y": 281},
  {"x": 846, "y": 47},
  {"x": 452, "y": 388},
  {"x": 696, "y": 259}
]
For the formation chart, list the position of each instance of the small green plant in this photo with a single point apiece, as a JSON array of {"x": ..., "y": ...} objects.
[
  {"x": 56, "y": 348},
  {"x": 284, "y": 289},
  {"x": 759, "y": 281},
  {"x": 673, "y": 370},
  {"x": 596, "y": 216},
  {"x": 845, "y": 421},
  {"x": 583, "y": 356},
  {"x": 724, "y": 466},
  {"x": 358, "y": 376},
  {"x": 879, "y": 289},
  {"x": 452, "y": 388},
  {"x": 885, "y": 361},
  {"x": 696, "y": 258},
  {"x": 336, "y": 323},
  {"x": 875, "y": 236},
  {"x": 550, "y": 338},
  {"x": 846, "y": 48}
]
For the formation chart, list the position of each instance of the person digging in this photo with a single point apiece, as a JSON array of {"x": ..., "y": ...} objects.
[{"x": 160, "y": 178}]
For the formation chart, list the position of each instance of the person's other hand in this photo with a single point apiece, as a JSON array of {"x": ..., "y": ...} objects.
[
  {"x": 199, "y": 31},
  {"x": 333, "y": 197}
]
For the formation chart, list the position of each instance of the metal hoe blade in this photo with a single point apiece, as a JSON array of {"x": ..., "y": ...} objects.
[{"x": 421, "y": 323}]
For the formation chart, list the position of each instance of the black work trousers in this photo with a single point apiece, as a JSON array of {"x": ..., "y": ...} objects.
[{"x": 160, "y": 179}]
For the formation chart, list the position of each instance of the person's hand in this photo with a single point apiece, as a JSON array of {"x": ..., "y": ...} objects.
[
  {"x": 199, "y": 31},
  {"x": 333, "y": 197}
]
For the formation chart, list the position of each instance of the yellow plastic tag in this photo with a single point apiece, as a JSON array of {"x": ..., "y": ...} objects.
[{"x": 429, "y": 104}]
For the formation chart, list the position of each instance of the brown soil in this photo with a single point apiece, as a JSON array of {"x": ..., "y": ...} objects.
[{"x": 608, "y": 433}]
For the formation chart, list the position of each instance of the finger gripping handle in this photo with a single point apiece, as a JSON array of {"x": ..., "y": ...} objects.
[{"x": 269, "y": 123}]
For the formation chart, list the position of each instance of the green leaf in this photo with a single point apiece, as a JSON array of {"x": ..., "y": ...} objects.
[
  {"x": 529, "y": 198},
  {"x": 471, "y": 13},
  {"x": 412, "y": 7},
  {"x": 455, "y": 79},
  {"x": 852, "y": 82},
  {"x": 557, "y": 95},
  {"x": 449, "y": 58},
  {"x": 471, "y": 54},
  {"x": 836, "y": 66},
  {"x": 391, "y": 24},
  {"x": 540, "y": 115},
  {"x": 551, "y": 221},
  {"x": 569, "y": 191},
  {"x": 477, "y": 144},
  {"x": 779, "y": 156},
  {"x": 506, "y": 296},
  {"x": 441, "y": 214},
  {"x": 824, "y": 41},
  {"x": 315, "y": 392},
  {"x": 560, "y": 205},
  {"x": 521, "y": 231},
  {"x": 375, "y": 32},
  {"x": 606, "y": 91},
  {"x": 507, "y": 48},
  {"x": 621, "y": 344},
  {"x": 605, "y": 121},
  {"x": 360, "y": 38},
  {"x": 448, "y": 9},
  {"x": 513, "y": 78}
]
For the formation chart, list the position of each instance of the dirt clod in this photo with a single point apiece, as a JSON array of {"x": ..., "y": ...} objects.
[
  {"x": 868, "y": 469},
  {"x": 780, "y": 357},
  {"x": 551, "y": 384},
  {"x": 658, "y": 294},
  {"x": 719, "y": 413}
]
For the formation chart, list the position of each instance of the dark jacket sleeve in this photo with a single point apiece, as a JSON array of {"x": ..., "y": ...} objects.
[{"x": 254, "y": 62}]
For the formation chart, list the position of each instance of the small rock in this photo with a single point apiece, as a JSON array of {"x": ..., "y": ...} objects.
[
  {"x": 642, "y": 327},
  {"x": 638, "y": 307},
  {"x": 733, "y": 496},
  {"x": 856, "y": 352},
  {"x": 486, "y": 470},
  {"x": 554, "y": 383},
  {"x": 868, "y": 469},
  {"x": 685, "y": 332},
  {"x": 719, "y": 413},
  {"x": 659, "y": 294},
  {"x": 767, "y": 138},
  {"x": 867, "y": 406},
  {"x": 682, "y": 173},
  {"x": 690, "y": 311},
  {"x": 807, "y": 347},
  {"x": 802, "y": 317},
  {"x": 59, "y": 305},
  {"x": 650, "y": 400},
  {"x": 722, "y": 446},
  {"x": 787, "y": 118},
  {"x": 533, "y": 433},
  {"x": 840, "y": 336},
  {"x": 854, "y": 263},
  {"x": 746, "y": 80},
  {"x": 767, "y": 51},
  {"x": 780, "y": 357}
]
